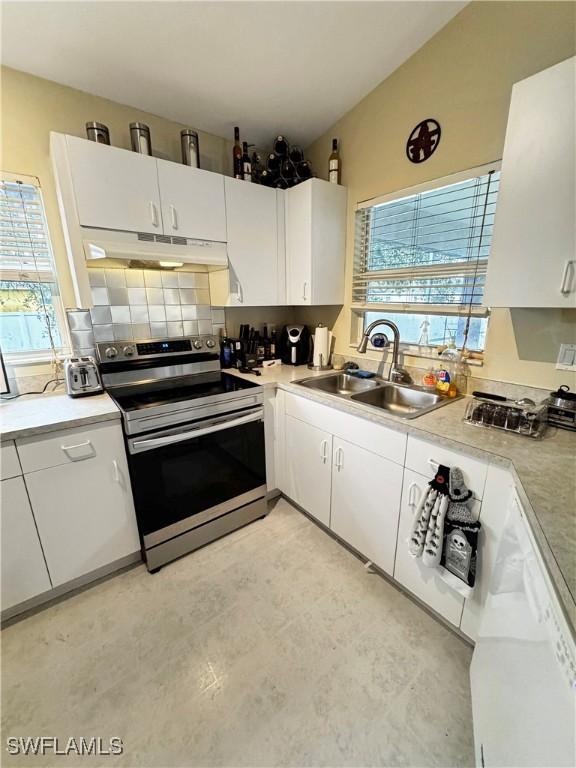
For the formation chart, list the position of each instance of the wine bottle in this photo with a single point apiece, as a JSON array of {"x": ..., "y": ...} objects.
[
  {"x": 334, "y": 164},
  {"x": 273, "y": 163},
  {"x": 303, "y": 170},
  {"x": 237, "y": 154},
  {"x": 273, "y": 344},
  {"x": 281, "y": 147},
  {"x": 296, "y": 154},
  {"x": 246, "y": 164}
]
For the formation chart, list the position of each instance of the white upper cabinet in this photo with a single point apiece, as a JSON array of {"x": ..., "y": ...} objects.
[
  {"x": 255, "y": 231},
  {"x": 192, "y": 202},
  {"x": 533, "y": 259},
  {"x": 315, "y": 243},
  {"x": 114, "y": 188}
]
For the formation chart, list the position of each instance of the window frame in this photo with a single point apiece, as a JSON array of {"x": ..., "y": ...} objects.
[
  {"x": 358, "y": 314},
  {"x": 31, "y": 357}
]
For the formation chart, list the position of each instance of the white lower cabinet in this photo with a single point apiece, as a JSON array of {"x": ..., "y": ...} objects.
[
  {"x": 24, "y": 573},
  {"x": 423, "y": 582},
  {"x": 365, "y": 501},
  {"x": 83, "y": 507},
  {"x": 308, "y": 467}
]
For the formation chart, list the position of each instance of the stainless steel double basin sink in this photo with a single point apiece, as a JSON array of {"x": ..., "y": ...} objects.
[{"x": 405, "y": 400}]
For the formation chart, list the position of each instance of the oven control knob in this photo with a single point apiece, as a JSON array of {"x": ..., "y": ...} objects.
[
  {"x": 111, "y": 352},
  {"x": 197, "y": 344},
  {"x": 210, "y": 343},
  {"x": 128, "y": 351}
]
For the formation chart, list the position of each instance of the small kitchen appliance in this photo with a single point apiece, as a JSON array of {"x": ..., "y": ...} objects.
[
  {"x": 194, "y": 439},
  {"x": 562, "y": 408},
  {"x": 82, "y": 376},
  {"x": 295, "y": 344}
]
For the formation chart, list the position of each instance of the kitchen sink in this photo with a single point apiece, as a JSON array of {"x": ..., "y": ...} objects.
[
  {"x": 400, "y": 400},
  {"x": 406, "y": 401},
  {"x": 340, "y": 384}
]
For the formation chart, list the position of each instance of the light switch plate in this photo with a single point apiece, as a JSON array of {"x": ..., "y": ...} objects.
[{"x": 566, "y": 358}]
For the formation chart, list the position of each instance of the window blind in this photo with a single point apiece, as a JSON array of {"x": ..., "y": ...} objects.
[
  {"x": 427, "y": 251},
  {"x": 28, "y": 285}
]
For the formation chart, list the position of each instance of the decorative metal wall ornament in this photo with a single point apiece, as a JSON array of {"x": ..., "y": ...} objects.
[{"x": 423, "y": 141}]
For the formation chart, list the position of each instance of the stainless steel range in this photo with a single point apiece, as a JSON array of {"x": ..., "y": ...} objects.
[{"x": 194, "y": 438}]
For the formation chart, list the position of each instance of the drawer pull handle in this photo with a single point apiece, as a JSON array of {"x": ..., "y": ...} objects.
[
  {"x": 117, "y": 477},
  {"x": 413, "y": 499},
  {"x": 434, "y": 464},
  {"x": 69, "y": 448}
]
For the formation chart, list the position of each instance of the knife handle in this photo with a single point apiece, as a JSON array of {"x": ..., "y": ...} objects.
[{"x": 488, "y": 396}]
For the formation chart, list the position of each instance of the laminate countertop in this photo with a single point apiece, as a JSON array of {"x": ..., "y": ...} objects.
[
  {"x": 30, "y": 415},
  {"x": 544, "y": 470}
]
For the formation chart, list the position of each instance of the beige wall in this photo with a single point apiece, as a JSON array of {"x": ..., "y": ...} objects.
[
  {"x": 31, "y": 107},
  {"x": 462, "y": 77}
]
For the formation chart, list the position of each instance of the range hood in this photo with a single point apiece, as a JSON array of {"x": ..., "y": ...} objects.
[{"x": 142, "y": 246}]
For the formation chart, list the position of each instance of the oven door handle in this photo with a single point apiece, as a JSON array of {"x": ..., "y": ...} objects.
[{"x": 158, "y": 442}]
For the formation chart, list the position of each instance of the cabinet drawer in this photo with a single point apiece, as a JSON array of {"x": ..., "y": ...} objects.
[
  {"x": 66, "y": 446},
  {"x": 423, "y": 457},
  {"x": 9, "y": 463},
  {"x": 366, "y": 434}
]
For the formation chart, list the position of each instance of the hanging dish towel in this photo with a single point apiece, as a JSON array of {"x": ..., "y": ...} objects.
[
  {"x": 460, "y": 545},
  {"x": 428, "y": 527}
]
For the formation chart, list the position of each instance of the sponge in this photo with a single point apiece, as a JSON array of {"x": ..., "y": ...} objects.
[{"x": 361, "y": 374}]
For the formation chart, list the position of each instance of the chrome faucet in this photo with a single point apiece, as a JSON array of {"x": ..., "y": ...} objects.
[{"x": 396, "y": 372}]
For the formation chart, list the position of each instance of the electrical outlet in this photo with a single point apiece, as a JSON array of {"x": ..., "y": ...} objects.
[{"x": 566, "y": 358}]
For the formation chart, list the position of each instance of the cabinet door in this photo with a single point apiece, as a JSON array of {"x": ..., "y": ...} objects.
[
  {"x": 192, "y": 202},
  {"x": 532, "y": 260},
  {"x": 24, "y": 573},
  {"x": 299, "y": 245},
  {"x": 497, "y": 495},
  {"x": 255, "y": 260},
  {"x": 366, "y": 493},
  {"x": 308, "y": 475},
  {"x": 114, "y": 188},
  {"x": 315, "y": 243},
  {"x": 84, "y": 511},
  {"x": 328, "y": 239},
  {"x": 422, "y": 581}
]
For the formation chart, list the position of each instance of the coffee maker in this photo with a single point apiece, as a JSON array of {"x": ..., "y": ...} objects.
[{"x": 295, "y": 344}]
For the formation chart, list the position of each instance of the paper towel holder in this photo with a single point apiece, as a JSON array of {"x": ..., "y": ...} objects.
[{"x": 328, "y": 366}]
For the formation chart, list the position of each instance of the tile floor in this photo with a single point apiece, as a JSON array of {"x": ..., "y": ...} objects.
[{"x": 271, "y": 647}]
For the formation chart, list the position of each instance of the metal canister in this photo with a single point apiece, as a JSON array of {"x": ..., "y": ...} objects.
[
  {"x": 98, "y": 132},
  {"x": 190, "y": 148},
  {"x": 140, "y": 138}
]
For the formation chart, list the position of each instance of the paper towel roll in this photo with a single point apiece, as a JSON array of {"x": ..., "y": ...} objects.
[{"x": 322, "y": 339}]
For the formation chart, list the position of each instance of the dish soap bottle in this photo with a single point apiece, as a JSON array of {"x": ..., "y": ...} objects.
[
  {"x": 445, "y": 383},
  {"x": 429, "y": 380}
]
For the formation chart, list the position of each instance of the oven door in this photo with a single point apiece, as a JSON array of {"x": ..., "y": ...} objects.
[{"x": 185, "y": 477}]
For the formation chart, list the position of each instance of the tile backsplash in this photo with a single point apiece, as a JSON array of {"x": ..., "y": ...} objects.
[{"x": 150, "y": 303}]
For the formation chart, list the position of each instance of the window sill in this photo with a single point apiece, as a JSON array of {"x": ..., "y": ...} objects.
[
  {"x": 413, "y": 351},
  {"x": 33, "y": 358}
]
